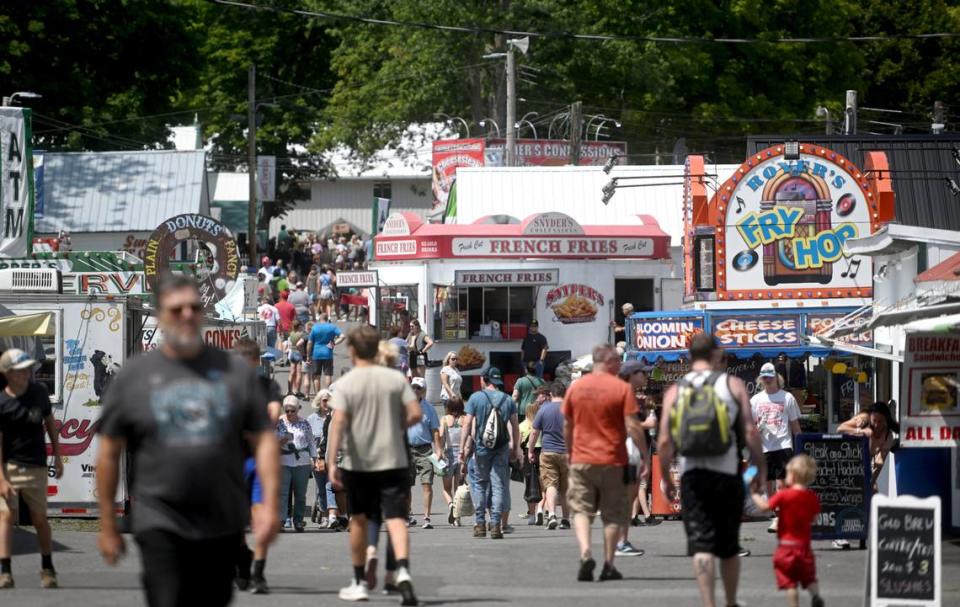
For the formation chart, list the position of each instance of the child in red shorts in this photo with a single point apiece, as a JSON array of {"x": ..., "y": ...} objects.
[{"x": 793, "y": 561}]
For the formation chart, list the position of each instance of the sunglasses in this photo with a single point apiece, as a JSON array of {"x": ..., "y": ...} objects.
[
  {"x": 196, "y": 308},
  {"x": 289, "y": 410}
]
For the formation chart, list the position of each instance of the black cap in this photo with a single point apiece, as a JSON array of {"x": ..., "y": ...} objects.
[
  {"x": 633, "y": 366},
  {"x": 534, "y": 323},
  {"x": 493, "y": 376}
]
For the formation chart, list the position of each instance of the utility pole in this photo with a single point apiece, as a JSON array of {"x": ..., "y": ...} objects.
[
  {"x": 576, "y": 127},
  {"x": 939, "y": 114},
  {"x": 252, "y": 165},
  {"x": 850, "y": 114},
  {"x": 511, "y": 106}
]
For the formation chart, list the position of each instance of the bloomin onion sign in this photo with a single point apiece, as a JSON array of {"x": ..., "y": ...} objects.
[{"x": 666, "y": 333}]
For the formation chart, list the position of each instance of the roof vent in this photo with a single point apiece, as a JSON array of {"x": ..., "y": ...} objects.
[{"x": 44, "y": 280}]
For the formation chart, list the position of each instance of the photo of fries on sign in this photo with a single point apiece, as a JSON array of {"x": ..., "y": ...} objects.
[{"x": 574, "y": 303}]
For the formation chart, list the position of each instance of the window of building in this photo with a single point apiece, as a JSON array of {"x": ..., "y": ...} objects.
[
  {"x": 382, "y": 189},
  {"x": 492, "y": 313},
  {"x": 398, "y": 306}
]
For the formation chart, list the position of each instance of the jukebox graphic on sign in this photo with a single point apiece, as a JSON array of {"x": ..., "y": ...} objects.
[{"x": 783, "y": 225}]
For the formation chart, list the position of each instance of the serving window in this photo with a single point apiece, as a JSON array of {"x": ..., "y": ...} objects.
[{"x": 483, "y": 313}]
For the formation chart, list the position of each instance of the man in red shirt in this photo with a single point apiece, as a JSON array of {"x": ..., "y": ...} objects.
[
  {"x": 288, "y": 312},
  {"x": 599, "y": 411},
  {"x": 793, "y": 561}
]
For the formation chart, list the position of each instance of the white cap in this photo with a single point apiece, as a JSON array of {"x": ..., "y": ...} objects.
[
  {"x": 768, "y": 370},
  {"x": 418, "y": 382},
  {"x": 15, "y": 358}
]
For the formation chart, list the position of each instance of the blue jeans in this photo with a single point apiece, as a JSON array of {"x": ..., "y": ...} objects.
[
  {"x": 324, "y": 497},
  {"x": 299, "y": 475},
  {"x": 539, "y": 371},
  {"x": 489, "y": 483}
]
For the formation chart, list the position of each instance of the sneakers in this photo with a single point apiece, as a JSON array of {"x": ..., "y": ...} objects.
[
  {"x": 299, "y": 527},
  {"x": 816, "y": 601},
  {"x": 507, "y": 529},
  {"x": 6, "y": 580},
  {"x": 480, "y": 531},
  {"x": 258, "y": 585},
  {"x": 451, "y": 519},
  {"x": 456, "y": 522},
  {"x": 405, "y": 584},
  {"x": 48, "y": 578},
  {"x": 411, "y": 522},
  {"x": 324, "y": 522},
  {"x": 370, "y": 572},
  {"x": 610, "y": 572},
  {"x": 287, "y": 524},
  {"x": 564, "y": 523},
  {"x": 841, "y": 544},
  {"x": 390, "y": 583},
  {"x": 426, "y": 523},
  {"x": 552, "y": 523},
  {"x": 496, "y": 532},
  {"x": 540, "y": 518},
  {"x": 356, "y": 591},
  {"x": 743, "y": 552},
  {"x": 637, "y": 521},
  {"x": 532, "y": 519},
  {"x": 585, "y": 574},
  {"x": 626, "y": 549},
  {"x": 773, "y": 526},
  {"x": 652, "y": 521},
  {"x": 334, "y": 524}
]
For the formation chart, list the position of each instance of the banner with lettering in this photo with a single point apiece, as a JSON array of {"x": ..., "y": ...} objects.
[
  {"x": 16, "y": 181},
  {"x": 931, "y": 377},
  {"x": 662, "y": 335}
]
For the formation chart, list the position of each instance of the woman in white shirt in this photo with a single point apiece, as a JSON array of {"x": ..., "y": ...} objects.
[
  {"x": 450, "y": 378},
  {"x": 298, "y": 456}
]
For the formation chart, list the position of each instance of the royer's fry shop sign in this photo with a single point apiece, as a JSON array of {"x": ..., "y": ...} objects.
[{"x": 931, "y": 376}]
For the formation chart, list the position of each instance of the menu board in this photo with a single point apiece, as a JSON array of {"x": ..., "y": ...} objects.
[
  {"x": 843, "y": 484},
  {"x": 905, "y": 551}
]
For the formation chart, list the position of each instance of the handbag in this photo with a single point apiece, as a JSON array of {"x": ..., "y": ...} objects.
[
  {"x": 517, "y": 474},
  {"x": 462, "y": 502},
  {"x": 440, "y": 467},
  {"x": 531, "y": 485}
]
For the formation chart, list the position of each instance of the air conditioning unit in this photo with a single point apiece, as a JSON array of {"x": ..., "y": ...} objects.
[{"x": 32, "y": 280}]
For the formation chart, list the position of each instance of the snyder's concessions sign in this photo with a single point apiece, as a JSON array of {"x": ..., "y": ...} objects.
[
  {"x": 757, "y": 330},
  {"x": 931, "y": 378},
  {"x": 574, "y": 303},
  {"x": 505, "y": 278}
]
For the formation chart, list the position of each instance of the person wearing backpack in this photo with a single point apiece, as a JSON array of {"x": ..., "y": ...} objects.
[
  {"x": 525, "y": 390},
  {"x": 490, "y": 416},
  {"x": 706, "y": 420}
]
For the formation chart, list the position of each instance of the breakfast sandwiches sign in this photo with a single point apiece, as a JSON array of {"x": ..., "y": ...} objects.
[{"x": 931, "y": 378}]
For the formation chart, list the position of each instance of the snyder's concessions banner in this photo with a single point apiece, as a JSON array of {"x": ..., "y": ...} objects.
[
  {"x": 931, "y": 376},
  {"x": 757, "y": 330}
]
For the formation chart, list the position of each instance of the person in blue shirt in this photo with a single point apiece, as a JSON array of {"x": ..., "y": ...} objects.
[
  {"x": 323, "y": 338},
  {"x": 424, "y": 441},
  {"x": 491, "y": 466}
]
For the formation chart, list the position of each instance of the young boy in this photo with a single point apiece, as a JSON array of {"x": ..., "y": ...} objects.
[{"x": 793, "y": 561}]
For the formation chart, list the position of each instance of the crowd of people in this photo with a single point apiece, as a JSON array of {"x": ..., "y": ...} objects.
[{"x": 213, "y": 447}]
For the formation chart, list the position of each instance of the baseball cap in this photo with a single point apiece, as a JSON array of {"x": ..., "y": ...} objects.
[
  {"x": 633, "y": 366},
  {"x": 418, "y": 382},
  {"x": 768, "y": 370},
  {"x": 15, "y": 358},
  {"x": 291, "y": 400},
  {"x": 534, "y": 323},
  {"x": 493, "y": 375}
]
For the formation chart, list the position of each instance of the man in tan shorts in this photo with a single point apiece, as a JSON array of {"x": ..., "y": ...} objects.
[
  {"x": 554, "y": 467},
  {"x": 600, "y": 410},
  {"x": 25, "y": 414}
]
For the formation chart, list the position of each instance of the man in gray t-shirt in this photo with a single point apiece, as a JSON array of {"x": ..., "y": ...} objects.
[
  {"x": 184, "y": 414},
  {"x": 372, "y": 408}
]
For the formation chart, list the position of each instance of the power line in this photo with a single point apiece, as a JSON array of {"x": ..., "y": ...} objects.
[{"x": 576, "y": 36}]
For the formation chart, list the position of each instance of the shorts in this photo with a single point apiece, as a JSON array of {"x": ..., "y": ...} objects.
[
  {"x": 777, "y": 464},
  {"x": 252, "y": 480},
  {"x": 421, "y": 468},
  {"x": 30, "y": 482},
  {"x": 554, "y": 471},
  {"x": 373, "y": 493},
  {"x": 295, "y": 356},
  {"x": 597, "y": 487},
  {"x": 712, "y": 505},
  {"x": 322, "y": 366},
  {"x": 793, "y": 566}
]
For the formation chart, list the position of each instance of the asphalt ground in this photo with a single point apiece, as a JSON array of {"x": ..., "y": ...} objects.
[{"x": 533, "y": 566}]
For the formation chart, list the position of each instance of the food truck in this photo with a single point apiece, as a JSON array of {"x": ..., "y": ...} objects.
[
  {"x": 765, "y": 269},
  {"x": 476, "y": 287}
]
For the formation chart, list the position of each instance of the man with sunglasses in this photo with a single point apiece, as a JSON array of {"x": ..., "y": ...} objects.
[{"x": 183, "y": 413}]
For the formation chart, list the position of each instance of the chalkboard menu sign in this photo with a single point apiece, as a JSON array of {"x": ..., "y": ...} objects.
[
  {"x": 843, "y": 484},
  {"x": 905, "y": 551}
]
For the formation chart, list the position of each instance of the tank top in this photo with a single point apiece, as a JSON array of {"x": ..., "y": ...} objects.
[
  {"x": 453, "y": 437},
  {"x": 729, "y": 462}
]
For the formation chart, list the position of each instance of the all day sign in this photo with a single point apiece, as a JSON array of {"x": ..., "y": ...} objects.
[{"x": 16, "y": 179}]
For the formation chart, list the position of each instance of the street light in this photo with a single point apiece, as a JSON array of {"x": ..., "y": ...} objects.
[
  {"x": 524, "y": 119},
  {"x": 483, "y": 123},
  {"x": 449, "y": 120},
  {"x": 20, "y": 95},
  {"x": 603, "y": 120}
]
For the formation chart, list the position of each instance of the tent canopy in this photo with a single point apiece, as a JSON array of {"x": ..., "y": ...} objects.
[{"x": 27, "y": 325}]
